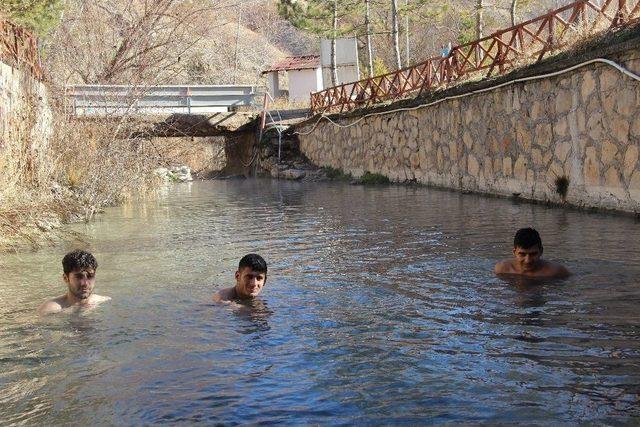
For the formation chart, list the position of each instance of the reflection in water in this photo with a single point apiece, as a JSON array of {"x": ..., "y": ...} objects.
[
  {"x": 253, "y": 315},
  {"x": 530, "y": 295},
  {"x": 381, "y": 308}
]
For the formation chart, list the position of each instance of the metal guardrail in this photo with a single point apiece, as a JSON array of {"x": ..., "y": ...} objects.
[
  {"x": 92, "y": 100},
  {"x": 19, "y": 48},
  {"x": 501, "y": 51}
]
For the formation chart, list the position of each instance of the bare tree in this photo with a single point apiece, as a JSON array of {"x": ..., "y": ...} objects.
[
  {"x": 235, "y": 61},
  {"x": 133, "y": 41},
  {"x": 406, "y": 32},
  {"x": 367, "y": 24},
  {"x": 334, "y": 68},
  {"x": 479, "y": 18},
  {"x": 394, "y": 32},
  {"x": 479, "y": 26}
]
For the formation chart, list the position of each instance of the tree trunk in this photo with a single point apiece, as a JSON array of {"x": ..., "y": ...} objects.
[
  {"x": 406, "y": 34},
  {"x": 514, "y": 5},
  {"x": 394, "y": 32},
  {"x": 367, "y": 24},
  {"x": 479, "y": 22},
  {"x": 235, "y": 59},
  {"x": 334, "y": 67},
  {"x": 479, "y": 19}
]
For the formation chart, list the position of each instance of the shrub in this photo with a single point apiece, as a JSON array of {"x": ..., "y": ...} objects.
[{"x": 369, "y": 178}]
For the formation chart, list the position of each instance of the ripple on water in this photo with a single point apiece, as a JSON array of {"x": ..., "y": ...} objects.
[{"x": 380, "y": 308}]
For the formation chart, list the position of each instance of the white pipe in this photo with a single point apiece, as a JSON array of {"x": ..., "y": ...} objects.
[{"x": 524, "y": 79}]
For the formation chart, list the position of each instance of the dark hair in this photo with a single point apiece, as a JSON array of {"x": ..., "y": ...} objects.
[
  {"x": 255, "y": 262},
  {"x": 526, "y": 238},
  {"x": 78, "y": 260}
]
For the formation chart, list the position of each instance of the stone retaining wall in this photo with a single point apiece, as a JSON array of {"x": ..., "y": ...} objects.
[{"x": 583, "y": 125}]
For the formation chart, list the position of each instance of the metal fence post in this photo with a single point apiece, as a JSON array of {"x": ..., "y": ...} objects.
[
  {"x": 188, "y": 100},
  {"x": 621, "y": 13}
]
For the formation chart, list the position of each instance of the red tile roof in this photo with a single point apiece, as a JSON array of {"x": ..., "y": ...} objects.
[{"x": 295, "y": 63}]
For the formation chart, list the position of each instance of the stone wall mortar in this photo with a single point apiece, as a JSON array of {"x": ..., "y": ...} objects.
[{"x": 584, "y": 125}]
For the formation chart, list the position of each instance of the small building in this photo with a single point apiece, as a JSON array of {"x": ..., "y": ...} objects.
[
  {"x": 347, "y": 66},
  {"x": 304, "y": 74}
]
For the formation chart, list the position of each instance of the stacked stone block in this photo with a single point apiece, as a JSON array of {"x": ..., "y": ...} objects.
[{"x": 519, "y": 139}]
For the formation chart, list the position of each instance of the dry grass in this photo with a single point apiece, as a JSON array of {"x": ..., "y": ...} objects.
[
  {"x": 70, "y": 174},
  {"x": 99, "y": 167},
  {"x": 283, "y": 103},
  {"x": 203, "y": 155}
]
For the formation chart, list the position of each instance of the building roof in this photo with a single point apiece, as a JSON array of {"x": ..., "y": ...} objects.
[{"x": 295, "y": 63}]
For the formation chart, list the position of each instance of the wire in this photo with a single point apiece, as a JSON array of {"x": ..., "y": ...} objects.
[{"x": 523, "y": 79}]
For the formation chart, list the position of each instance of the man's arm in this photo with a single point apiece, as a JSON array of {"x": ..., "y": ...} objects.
[{"x": 560, "y": 271}]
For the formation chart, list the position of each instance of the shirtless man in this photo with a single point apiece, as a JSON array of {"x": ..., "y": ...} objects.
[
  {"x": 527, "y": 258},
  {"x": 250, "y": 279},
  {"x": 80, "y": 276}
]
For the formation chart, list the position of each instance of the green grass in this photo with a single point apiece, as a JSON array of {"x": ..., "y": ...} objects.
[
  {"x": 369, "y": 178},
  {"x": 337, "y": 174}
]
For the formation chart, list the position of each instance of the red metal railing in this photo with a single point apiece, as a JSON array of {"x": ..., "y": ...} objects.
[
  {"x": 19, "y": 48},
  {"x": 498, "y": 52}
]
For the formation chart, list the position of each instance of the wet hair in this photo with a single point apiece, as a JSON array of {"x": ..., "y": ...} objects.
[
  {"x": 78, "y": 260},
  {"x": 253, "y": 261},
  {"x": 526, "y": 238}
]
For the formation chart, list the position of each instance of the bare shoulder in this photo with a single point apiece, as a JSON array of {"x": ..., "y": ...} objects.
[
  {"x": 54, "y": 305},
  {"x": 97, "y": 299},
  {"x": 557, "y": 270},
  {"x": 503, "y": 267},
  {"x": 223, "y": 295}
]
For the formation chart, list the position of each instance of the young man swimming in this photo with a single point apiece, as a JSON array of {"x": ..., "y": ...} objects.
[
  {"x": 79, "y": 273},
  {"x": 250, "y": 279},
  {"x": 527, "y": 258}
]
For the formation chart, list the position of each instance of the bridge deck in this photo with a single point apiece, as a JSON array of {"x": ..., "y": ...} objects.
[{"x": 105, "y": 100}]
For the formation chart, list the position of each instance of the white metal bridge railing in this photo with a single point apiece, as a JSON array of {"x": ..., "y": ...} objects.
[{"x": 99, "y": 100}]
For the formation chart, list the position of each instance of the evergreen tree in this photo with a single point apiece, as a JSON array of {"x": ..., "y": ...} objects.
[
  {"x": 40, "y": 16},
  {"x": 328, "y": 19}
]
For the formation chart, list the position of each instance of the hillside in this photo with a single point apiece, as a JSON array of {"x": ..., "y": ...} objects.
[{"x": 169, "y": 42}]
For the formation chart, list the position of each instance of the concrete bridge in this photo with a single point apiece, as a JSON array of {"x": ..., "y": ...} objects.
[
  {"x": 177, "y": 110},
  {"x": 236, "y": 113},
  {"x": 169, "y": 110},
  {"x": 118, "y": 100}
]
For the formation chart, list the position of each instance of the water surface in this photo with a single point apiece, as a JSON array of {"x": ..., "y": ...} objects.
[{"x": 380, "y": 308}]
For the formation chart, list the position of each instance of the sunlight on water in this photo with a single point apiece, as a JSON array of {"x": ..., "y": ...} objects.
[{"x": 380, "y": 307}]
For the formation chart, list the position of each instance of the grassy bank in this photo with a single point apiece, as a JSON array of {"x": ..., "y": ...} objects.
[{"x": 60, "y": 170}]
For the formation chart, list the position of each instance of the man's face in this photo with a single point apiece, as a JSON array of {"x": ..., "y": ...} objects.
[
  {"x": 249, "y": 283},
  {"x": 81, "y": 283},
  {"x": 527, "y": 259}
]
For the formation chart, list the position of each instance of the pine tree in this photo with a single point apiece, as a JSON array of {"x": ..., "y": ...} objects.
[
  {"x": 324, "y": 18},
  {"x": 40, "y": 16}
]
